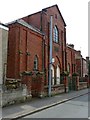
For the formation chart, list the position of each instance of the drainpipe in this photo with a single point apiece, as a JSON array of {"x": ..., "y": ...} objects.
[
  {"x": 43, "y": 55},
  {"x": 41, "y": 21},
  {"x": 81, "y": 66},
  {"x": 65, "y": 49},
  {"x": 50, "y": 58}
]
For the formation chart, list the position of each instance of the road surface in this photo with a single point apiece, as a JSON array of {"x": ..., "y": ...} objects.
[{"x": 76, "y": 108}]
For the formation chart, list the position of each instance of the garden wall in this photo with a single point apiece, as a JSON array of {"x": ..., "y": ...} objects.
[
  {"x": 82, "y": 85},
  {"x": 14, "y": 96}
]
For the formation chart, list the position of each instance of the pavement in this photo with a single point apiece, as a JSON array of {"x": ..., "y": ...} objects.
[{"x": 36, "y": 104}]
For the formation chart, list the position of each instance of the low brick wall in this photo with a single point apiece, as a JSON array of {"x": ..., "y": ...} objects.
[
  {"x": 82, "y": 85},
  {"x": 37, "y": 89},
  {"x": 56, "y": 89},
  {"x": 14, "y": 96}
]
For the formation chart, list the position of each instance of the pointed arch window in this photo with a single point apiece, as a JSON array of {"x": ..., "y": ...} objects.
[
  {"x": 56, "y": 34},
  {"x": 35, "y": 62},
  {"x": 68, "y": 67},
  {"x": 57, "y": 75},
  {"x": 52, "y": 75}
]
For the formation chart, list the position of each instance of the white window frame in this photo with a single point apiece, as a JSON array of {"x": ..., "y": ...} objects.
[
  {"x": 56, "y": 34},
  {"x": 35, "y": 62}
]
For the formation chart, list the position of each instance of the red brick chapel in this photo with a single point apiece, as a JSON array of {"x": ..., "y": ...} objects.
[{"x": 28, "y": 51}]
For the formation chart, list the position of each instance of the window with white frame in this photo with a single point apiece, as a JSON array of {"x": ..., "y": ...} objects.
[
  {"x": 57, "y": 75},
  {"x": 35, "y": 62},
  {"x": 68, "y": 67},
  {"x": 56, "y": 34},
  {"x": 52, "y": 75}
]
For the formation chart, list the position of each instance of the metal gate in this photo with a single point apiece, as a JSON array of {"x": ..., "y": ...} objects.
[{"x": 71, "y": 83}]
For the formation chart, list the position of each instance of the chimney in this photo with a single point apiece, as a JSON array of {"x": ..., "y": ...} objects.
[
  {"x": 87, "y": 58},
  {"x": 79, "y": 52},
  {"x": 71, "y": 45}
]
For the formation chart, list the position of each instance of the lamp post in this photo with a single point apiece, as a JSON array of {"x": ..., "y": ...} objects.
[{"x": 50, "y": 58}]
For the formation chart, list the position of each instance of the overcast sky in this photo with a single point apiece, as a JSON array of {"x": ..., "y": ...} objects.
[{"x": 74, "y": 12}]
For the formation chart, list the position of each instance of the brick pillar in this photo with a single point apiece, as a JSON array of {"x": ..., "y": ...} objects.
[
  {"x": 88, "y": 82},
  {"x": 26, "y": 79},
  {"x": 77, "y": 82},
  {"x": 66, "y": 83},
  {"x": 41, "y": 86}
]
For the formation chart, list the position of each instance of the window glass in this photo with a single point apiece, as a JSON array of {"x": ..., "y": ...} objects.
[
  {"x": 56, "y": 34},
  {"x": 35, "y": 63}
]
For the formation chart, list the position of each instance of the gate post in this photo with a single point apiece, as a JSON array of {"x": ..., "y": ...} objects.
[
  {"x": 77, "y": 82},
  {"x": 66, "y": 84},
  {"x": 88, "y": 82},
  {"x": 40, "y": 84},
  {"x": 28, "y": 84},
  {"x": 26, "y": 79},
  {"x": 41, "y": 91}
]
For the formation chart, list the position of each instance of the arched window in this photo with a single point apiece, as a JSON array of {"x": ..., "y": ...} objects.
[
  {"x": 56, "y": 35},
  {"x": 35, "y": 62},
  {"x": 52, "y": 75},
  {"x": 68, "y": 67},
  {"x": 57, "y": 75}
]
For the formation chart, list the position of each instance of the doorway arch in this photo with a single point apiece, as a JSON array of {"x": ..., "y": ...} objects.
[
  {"x": 52, "y": 75},
  {"x": 57, "y": 75}
]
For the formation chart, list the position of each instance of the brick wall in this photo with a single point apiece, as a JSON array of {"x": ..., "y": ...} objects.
[
  {"x": 84, "y": 67},
  {"x": 21, "y": 41},
  {"x": 71, "y": 60},
  {"x": 3, "y": 52},
  {"x": 41, "y": 20}
]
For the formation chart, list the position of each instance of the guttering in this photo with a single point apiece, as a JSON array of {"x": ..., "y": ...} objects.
[
  {"x": 25, "y": 24},
  {"x": 3, "y": 26}
]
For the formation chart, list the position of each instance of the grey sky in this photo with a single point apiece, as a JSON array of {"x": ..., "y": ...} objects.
[{"x": 74, "y": 12}]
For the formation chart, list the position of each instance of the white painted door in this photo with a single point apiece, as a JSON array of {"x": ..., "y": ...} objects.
[
  {"x": 52, "y": 73},
  {"x": 57, "y": 75}
]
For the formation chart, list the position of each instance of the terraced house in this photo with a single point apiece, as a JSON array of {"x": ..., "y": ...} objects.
[{"x": 3, "y": 52}]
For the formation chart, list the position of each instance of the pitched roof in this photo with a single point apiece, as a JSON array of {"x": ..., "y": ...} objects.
[
  {"x": 58, "y": 11},
  {"x": 3, "y": 26},
  {"x": 48, "y": 8},
  {"x": 41, "y": 11},
  {"x": 22, "y": 22}
]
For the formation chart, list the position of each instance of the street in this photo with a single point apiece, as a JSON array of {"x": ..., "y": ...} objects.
[
  {"x": 76, "y": 108},
  {"x": 27, "y": 108}
]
